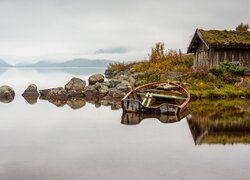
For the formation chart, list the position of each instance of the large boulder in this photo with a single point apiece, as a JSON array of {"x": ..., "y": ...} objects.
[
  {"x": 7, "y": 94},
  {"x": 96, "y": 78},
  {"x": 75, "y": 87},
  {"x": 53, "y": 93},
  {"x": 31, "y": 91}
]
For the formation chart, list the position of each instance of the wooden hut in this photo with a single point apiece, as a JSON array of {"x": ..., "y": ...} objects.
[{"x": 213, "y": 46}]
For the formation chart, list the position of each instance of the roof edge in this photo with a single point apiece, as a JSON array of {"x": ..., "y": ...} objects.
[{"x": 199, "y": 35}]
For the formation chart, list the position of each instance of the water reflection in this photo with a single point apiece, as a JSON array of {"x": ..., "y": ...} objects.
[
  {"x": 80, "y": 102},
  {"x": 220, "y": 122},
  {"x": 135, "y": 118},
  {"x": 3, "y": 70},
  {"x": 31, "y": 99},
  {"x": 76, "y": 71}
]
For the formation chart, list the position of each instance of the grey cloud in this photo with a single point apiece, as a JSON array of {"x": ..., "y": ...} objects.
[
  {"x": 118, "y": 50},
  {"x": 57, "y": 29}
]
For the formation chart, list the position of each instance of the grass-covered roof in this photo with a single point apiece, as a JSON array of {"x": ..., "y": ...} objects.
[{"x": 226, "y": 38}]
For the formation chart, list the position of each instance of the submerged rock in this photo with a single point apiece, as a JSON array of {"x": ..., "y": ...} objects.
[
  {"x": 7, "y": 94},
  {"x": 53, "y": 93},
  {"x": 96, "y": 78},
  {"x": 31, "y": 91}
]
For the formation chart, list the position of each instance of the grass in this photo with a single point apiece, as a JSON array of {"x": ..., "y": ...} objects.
[{"x": 224, "y": 38}]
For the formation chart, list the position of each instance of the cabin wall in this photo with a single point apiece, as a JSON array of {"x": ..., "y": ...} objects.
[
  {"x": 237, "y": 56},
  {"x": 201, "y": 56},
  {"x": 212, "y": 57}
]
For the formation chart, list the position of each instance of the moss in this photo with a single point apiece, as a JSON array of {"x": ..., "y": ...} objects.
[{"x": 226, "y": 38}]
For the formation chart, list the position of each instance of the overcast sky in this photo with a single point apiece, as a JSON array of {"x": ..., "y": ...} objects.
[{"x": 33, "y": 30}]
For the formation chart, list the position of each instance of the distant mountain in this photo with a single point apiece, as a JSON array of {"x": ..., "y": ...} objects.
[
  {"x": 70, "y": 63},
  {"x": 4, "y": 64}
]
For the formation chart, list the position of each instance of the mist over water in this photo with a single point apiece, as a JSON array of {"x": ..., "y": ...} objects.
[{"x": 43, "y": 141}]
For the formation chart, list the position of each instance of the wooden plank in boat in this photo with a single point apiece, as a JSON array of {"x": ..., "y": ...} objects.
[
  {"x": 161, "y": 90},
  {"x": 164, "y": 96}
]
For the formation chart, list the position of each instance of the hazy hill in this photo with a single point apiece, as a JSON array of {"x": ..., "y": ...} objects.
[
  {"x": 4, "y": 64},
  {"x": 70, "y": 63}
]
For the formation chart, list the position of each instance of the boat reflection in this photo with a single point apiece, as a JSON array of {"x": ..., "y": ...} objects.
[
  {"x": 136, "y": 118},
  {"x": 220, "y": 122}
]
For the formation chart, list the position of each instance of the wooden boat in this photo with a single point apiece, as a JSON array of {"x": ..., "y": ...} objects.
[{"x": 156, "y": 98}]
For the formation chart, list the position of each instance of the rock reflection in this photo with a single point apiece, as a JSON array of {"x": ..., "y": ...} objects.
[
  {"x": 135, "y": 118},
  {"x": 31, "y": 100},
  {"x": 76, "y": 103},
  {"x": 220, "y": 122}
]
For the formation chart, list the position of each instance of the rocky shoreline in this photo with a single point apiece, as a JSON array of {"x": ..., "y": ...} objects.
[{"x": 100, "y": 91}]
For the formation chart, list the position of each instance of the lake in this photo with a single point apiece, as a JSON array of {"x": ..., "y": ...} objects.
[{"x": 42, "y": 141}]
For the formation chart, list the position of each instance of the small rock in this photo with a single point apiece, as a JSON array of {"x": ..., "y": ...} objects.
[
  {"x": 7, "y": 94},
  {"x": 138, "y": 76},
  {"x": 124, "y": 86},
  {"x": 31, "y": 91},
  {"x": 115, "y": 93},
  {"x": 103, "y": 90},
  {"x": 243, "y": 84},
  {"x": 96, "y": 78},
  {"x": 114, "y": 82},
  {"x": 90, "y": 92},
  {"x": 108, "y": 74},
  {"x": 132, "y": 81}
]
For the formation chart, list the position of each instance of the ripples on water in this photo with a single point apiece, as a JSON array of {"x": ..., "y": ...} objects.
[{"x": 81, "y": 139}]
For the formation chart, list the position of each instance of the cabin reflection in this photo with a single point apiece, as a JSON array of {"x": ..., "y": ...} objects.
[
  {"x": 220, "y": 123},
  {"x": 136, "y": 118}
]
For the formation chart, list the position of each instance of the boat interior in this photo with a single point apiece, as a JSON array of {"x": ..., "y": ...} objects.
[{"x": 156, "y": 94}]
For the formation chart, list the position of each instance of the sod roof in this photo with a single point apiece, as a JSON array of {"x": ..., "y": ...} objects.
[
  {"x": 226, "y": 38},
  {"x": 219, "y": 39}
]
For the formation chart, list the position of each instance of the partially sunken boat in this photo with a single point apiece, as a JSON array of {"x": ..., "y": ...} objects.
[{"x": 157, "y": 98}]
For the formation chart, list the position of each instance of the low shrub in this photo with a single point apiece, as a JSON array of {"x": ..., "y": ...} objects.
[{"x": 228, "y": 67}]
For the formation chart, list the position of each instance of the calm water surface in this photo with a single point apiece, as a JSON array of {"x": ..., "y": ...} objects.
[{"x": 42, "y": 141}]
